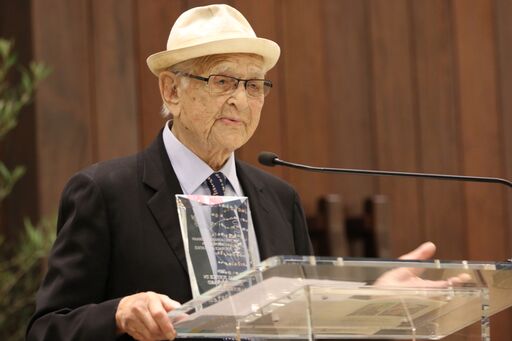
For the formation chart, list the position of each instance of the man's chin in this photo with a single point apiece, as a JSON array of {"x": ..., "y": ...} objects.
[{"x": 231, "y": 139}]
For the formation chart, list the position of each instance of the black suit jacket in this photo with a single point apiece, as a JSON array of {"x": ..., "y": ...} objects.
[{"x": 118, "y": 234}]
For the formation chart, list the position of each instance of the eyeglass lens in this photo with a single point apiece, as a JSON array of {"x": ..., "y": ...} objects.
[{"x": 224, "y": 84}]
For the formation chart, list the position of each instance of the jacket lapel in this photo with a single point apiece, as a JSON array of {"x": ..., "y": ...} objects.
[
  {"x": 157, "y": 173},
  {"x": 260, "y": 212}
]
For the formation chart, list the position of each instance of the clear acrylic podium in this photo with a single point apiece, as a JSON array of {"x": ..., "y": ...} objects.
[{"x": 292, "y": 297}]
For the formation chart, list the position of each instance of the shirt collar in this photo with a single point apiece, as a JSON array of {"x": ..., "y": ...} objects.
[{"x": 190, "y": 170}]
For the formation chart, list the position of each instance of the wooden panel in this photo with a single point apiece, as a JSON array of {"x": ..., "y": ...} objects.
[
  {"x": 153, "y": 24},
  {"x": 64, "y": 111},
  {"x": 264, "y": 18},
  {"x": 480, "y": 124},
  {"x": 113, "y": 80},
  {"x": 305, "y": 99},
  {"x": 503, "y": 12},
  {"x": 482, "y": 131},
  {"x": 18, "y": 147},
  {"x": 395, "y": 119},
  {"x": 197, "y": 3},
  {"x": 439, "y": 136},
  {"x": 348, "y": 85}
]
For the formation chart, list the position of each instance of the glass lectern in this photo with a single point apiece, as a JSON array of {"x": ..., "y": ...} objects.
[{"x": 292, "y": 297}]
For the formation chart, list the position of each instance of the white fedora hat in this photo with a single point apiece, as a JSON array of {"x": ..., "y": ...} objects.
[{"x": 208, "y": 30}]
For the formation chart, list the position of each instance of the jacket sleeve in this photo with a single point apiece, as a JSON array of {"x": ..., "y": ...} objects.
[{"x": 71, "y": 303}]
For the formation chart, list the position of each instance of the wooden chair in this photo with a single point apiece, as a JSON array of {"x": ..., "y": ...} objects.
[{"x": 334, "y": 233}]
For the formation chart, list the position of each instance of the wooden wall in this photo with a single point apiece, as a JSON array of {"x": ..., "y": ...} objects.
[{"x": 423, "y": 85}]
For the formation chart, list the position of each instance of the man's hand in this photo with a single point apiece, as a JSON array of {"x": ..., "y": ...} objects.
[
  {"x": 144, "y": 316},
  {"x": 409, "y": 277},
  {"x": 422, "y": 252}
]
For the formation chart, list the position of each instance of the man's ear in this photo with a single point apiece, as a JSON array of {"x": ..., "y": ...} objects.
[{"x": 168, "y": 83}]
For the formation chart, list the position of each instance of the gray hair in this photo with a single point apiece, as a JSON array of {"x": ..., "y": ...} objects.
[{"x": 165, "y": 111}]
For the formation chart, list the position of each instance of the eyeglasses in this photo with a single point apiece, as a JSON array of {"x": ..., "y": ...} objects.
[{"x": 225, "y": 85}]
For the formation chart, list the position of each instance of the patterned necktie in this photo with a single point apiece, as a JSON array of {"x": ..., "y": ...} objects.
[
  {"x": 216, "y": 183},
  {"x": 227, "y": 234}
]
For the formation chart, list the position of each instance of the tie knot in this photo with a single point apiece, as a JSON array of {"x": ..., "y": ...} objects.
[{"x": 216, "y": 183}]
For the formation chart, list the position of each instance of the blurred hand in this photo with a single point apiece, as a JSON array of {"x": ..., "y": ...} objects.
[
  {"x": 409, "y": 277},
  {"x": 144, "y": 316}
]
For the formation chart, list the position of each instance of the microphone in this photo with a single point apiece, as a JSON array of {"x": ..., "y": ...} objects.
[{"x": 271, "y": 159}]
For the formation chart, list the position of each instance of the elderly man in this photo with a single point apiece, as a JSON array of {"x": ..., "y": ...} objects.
[{"x": 119, "y": 264}]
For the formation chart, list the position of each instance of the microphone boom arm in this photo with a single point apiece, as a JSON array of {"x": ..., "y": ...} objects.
[{"x": 505, "y": 182}]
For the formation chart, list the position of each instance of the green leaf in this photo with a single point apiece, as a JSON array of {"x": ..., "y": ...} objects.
[
  {"x": 9, "y": 178},
  {"x": 21, "y": 259},
  {"x": 39, "y": 71},
  {"x": 5, "y": 47}
]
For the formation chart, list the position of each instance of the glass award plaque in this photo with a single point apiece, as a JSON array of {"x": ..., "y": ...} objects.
[
  {"x": 218, "y": 238},
  {"x": 292, "y": 297}
]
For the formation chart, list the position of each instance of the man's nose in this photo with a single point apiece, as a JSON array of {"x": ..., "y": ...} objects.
[{"x": 240, "y": 95}]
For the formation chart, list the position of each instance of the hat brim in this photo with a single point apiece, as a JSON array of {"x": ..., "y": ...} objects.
[{"x": 268, "y": 49}]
